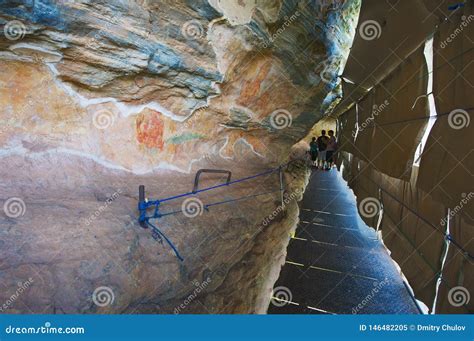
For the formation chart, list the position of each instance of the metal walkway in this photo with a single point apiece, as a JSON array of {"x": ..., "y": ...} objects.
[{"x": 335, "y": 264}]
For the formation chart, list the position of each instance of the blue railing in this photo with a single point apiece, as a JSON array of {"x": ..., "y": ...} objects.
[{"x": 145, "y": 204}]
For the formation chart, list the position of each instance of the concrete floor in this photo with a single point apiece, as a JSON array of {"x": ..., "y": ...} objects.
[{"x": 335, "y": 264}]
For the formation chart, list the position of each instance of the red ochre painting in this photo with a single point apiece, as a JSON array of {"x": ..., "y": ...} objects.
[{"x": 150, "y": 128}]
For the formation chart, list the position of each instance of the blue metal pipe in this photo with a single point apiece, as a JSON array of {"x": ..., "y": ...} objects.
[
  {"x": 218, "y": 186},
  {"x": 157, "y": 230}
]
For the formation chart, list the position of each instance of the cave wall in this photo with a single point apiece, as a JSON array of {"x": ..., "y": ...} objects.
[{"x": 98, "y": 97}]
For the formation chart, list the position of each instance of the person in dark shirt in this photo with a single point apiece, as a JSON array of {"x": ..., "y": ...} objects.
[
  {"x": 330, "y": 150},
  {"x": 322, "y": 143}
]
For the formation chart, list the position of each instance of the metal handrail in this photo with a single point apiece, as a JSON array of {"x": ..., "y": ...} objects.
[
  {"x": 447, "y": 236},
  {"x": 205, "y": 170},
  {"x": 144, "y": 203}
]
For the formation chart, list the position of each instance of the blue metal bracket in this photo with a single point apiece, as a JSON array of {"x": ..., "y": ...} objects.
[{"x": 144, "y": 220}]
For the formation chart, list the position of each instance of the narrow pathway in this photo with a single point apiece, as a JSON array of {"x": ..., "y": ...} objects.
[{"x": 335, "y": 264}]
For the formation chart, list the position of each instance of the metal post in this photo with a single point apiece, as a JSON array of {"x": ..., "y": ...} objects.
[{"x": 142, "y": 206}]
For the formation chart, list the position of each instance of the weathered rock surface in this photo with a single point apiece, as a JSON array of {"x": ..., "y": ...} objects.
[{"x": 98, "y": 97}]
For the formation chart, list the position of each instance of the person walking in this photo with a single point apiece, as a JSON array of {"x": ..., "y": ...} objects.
[
  {"x": 322, "y": 142},
  {"x": 330, "y": 150},
  {"x": 313, "y": 150}
]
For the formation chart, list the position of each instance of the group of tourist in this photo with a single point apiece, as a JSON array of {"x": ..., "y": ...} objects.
[{"x": 322, "y": 150}]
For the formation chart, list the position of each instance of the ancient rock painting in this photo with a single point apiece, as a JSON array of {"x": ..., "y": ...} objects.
[{"x": 150, "y": 129}]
